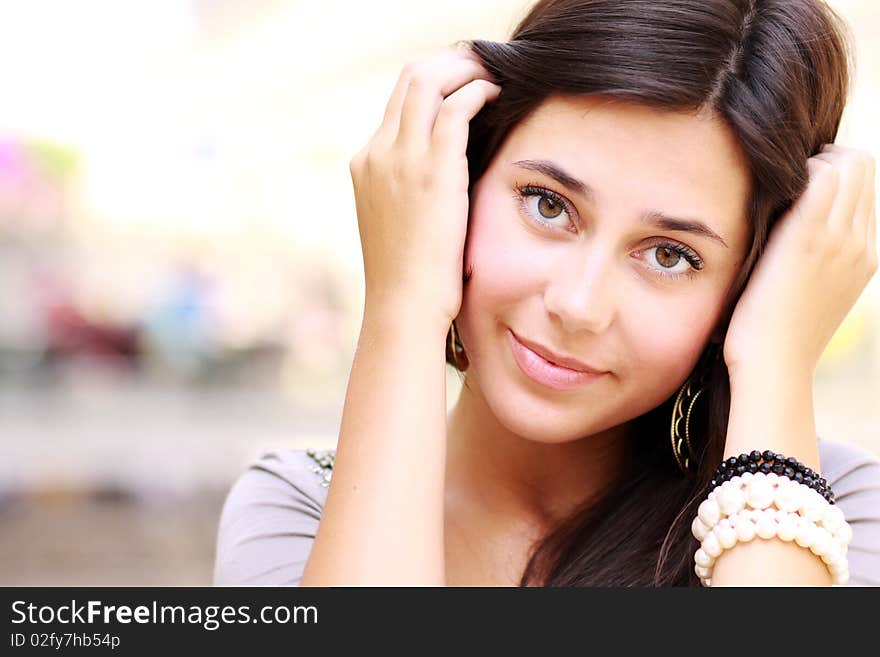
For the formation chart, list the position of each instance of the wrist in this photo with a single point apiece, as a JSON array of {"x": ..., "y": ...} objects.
[
  {"x": 394, "y": 318},
  {"x": 773, "y": 370},
  {"x": 771, "y": 407}
]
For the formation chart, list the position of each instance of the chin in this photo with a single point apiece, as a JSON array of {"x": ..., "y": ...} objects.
[{"x": 548, "y": 419}]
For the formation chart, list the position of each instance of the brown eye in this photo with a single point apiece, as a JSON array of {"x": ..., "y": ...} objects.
[
  {"x": 670, "y": 257},
  {"x": 667, "y": 257},
  {"x": 551, "y": 206},
  {"x": 553, "y": 209}
]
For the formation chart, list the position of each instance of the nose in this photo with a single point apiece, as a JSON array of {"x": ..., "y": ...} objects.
[{"x": 580, "y": 291}]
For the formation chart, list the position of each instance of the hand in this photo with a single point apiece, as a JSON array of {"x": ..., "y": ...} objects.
[
  {"x": 411, "y": 185},
  {"x": 819, "y": 257}
]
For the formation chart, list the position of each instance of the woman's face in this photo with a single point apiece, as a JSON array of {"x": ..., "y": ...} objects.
[{"x": 591, "y": 273}]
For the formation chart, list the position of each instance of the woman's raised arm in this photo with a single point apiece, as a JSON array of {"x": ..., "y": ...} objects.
[{"x": 383, "y": 519}]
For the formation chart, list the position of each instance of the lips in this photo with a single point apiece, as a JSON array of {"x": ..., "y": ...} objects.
[
  {"x": 556, "y": 359},
  {"x": 543, "y": 372}
]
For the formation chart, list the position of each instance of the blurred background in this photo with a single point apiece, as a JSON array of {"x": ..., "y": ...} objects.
[{"x": 180, "y": 264}]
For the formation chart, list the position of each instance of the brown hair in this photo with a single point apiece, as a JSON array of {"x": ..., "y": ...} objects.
[{"x": 778, "y": 72}]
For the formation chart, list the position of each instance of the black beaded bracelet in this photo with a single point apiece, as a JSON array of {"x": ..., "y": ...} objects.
[{"x": 771, "y": 462}]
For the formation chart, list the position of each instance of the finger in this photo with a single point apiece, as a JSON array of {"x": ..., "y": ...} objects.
[
  {"x": 814, "y": 204},
  {"x": 451, "y": 130},
  {"x": 387, "y": 131},
  {"x": 850, "y": 173},
  {"x": 429, "y": 86}
]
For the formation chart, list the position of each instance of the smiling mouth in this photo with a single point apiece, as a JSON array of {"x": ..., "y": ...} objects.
[
  {"x": 539, "y": 370},
  {"x": 560, "y": 361}
]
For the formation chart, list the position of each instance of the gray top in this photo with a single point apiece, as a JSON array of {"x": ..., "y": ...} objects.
[{"x": 271, "y": 514}]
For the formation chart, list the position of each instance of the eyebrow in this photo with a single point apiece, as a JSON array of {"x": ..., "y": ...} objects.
[{"x": 653, "y": 217}]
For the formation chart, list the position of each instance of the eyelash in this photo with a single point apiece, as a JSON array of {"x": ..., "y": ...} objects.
[{"x": 533, "y": 189}]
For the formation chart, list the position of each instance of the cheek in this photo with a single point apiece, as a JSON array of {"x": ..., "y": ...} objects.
[
  {"x": 666, "y": 342},
  {"x": 500, "y": 279},
  {"x": 665, "y": 347},
  {"x": 495, "y": 253}
]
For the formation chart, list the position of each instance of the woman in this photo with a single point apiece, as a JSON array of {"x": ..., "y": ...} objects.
[{"x": 658, "y": 239}]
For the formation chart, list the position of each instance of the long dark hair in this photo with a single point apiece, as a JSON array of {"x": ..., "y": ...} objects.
[{"x": 778, "y": 72}]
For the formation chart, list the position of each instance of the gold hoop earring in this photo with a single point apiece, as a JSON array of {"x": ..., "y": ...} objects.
[
  {"x": 682, "y": 449},
  {"x": 455, "y": 346}
]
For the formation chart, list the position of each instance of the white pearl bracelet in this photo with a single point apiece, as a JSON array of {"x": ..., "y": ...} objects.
[{"x": 768, "y": 505}]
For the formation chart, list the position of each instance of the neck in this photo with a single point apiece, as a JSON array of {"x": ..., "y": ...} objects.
[{"x": 522, "y": 478}]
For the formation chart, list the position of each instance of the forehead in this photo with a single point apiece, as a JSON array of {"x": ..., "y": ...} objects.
[{"x": 640, "y": 158}]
